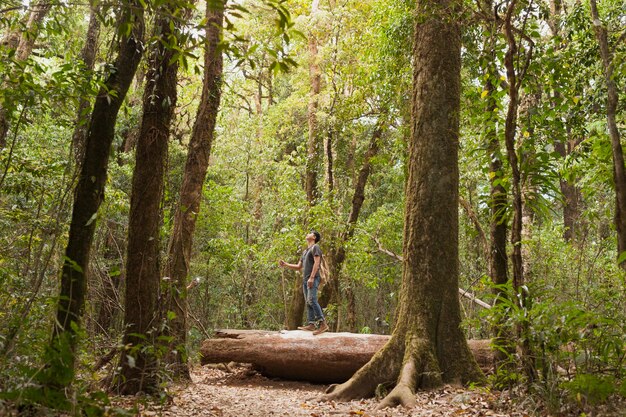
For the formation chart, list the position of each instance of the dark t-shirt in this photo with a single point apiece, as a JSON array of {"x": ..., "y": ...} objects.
[{"x": 308, "y": 258}]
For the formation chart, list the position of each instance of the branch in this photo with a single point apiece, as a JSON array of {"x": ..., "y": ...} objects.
[
  {"x": 619, "y": 40},
  {"x": 397, "y": 257},
  {"x": 386, "y": 251},
  {"x": 473, "y": 298},
  {"x": 474, "y": 218}
]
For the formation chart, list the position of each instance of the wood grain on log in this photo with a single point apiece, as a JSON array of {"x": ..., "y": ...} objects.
[{"x": 298, "y": 355}]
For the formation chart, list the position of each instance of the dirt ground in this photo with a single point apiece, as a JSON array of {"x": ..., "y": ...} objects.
[{"x": 243, "y": 392}]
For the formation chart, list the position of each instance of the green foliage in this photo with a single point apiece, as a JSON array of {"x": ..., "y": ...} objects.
[{"x": 590, "y": 389}]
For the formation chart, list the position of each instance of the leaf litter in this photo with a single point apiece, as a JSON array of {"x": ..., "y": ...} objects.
[{"x": 243, "y": 392}]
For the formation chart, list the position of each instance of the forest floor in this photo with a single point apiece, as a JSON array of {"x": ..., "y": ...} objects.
[{"x": 215, "y": 392}]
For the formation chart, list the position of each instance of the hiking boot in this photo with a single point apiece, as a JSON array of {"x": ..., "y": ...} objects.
[
  {"x": 323, "y": 327},
  {"x": 309, "y": 327}
]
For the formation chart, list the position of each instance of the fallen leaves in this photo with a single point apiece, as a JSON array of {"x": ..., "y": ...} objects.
[{"x": 239, "y": 393}]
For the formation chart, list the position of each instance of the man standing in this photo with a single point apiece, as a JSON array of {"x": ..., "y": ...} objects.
[{"x": 310, "y": 265}]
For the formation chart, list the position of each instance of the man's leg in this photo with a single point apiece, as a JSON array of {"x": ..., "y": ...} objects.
[
  {"x": 309, "y": 309},
  {"x": 317, "y": 310}
]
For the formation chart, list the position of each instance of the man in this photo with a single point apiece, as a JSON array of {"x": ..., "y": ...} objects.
[{"x": 310, "y": 265}]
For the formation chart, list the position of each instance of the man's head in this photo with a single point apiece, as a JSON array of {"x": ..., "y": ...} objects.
[{"x": 313, "y": 235}]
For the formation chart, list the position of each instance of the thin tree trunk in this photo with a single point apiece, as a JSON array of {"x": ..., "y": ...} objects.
[
  {"x": 181, "y": 242},
  {"x": 427, "y": 346},
  {"x": 24, "y": 44},
  {"x": 337, "y": 253},
  {"x": 498, "y": 201},
  {"x": 619, "y": 172},
  {"x": 88, "y": 55},
  {"x": 313, "y": 137},
  {"x": 572, "y": 196},
  {"x": 143, "y": 273},
  {"x": 111, "y": 282},
  {"x": 89, "y": 195},
  {"x": 514, "y": 81},
  {"x": 509, "y": 139}
]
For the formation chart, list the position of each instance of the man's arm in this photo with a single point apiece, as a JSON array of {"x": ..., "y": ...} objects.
[{"x": 295, "y": 267}]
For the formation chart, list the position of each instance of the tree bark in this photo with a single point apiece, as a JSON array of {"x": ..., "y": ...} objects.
[
  {"x": 90, "y": 193},
  {"x": 619, "y": 172},
  {"x": 181, "y": 241},
  {"x": 298, "y": 355},
  {"x": 427, "y": 346},
  {"x": 143, "y": 273}
]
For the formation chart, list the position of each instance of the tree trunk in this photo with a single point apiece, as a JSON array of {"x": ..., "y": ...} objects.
[
  {"x": 427, "y": 346},
  {"x": 498, "y": 201},
  {"x": 90, "y": 193},
  {"x": 298, "y": 355},
  {"x": 143, "y": 273},
  {"x": 88, "y": 55},
  {"x": 110, "y": 298},
  {"x": 296, "y": 306},
  {"x": 313, "y": 138},
  {"x": 509, "y": 139},
  {"x": 181, "y": 241},
  {"x": 24, "y": 44},
  {"x": 619, "y": 172},
  {"x": 514, "y": 80},
  {"x": 337, "y": 253},
  {"x": 572, "y": 196}
]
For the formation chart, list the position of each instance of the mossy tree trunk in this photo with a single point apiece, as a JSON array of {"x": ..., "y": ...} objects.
[
  {"x": 427, "y": 347},
  {"x": 89, "y": 194},
  {"x": 180, "y": 245}
]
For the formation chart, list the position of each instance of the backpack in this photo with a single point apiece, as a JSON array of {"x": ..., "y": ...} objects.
[{"x": 324, "y": 275}]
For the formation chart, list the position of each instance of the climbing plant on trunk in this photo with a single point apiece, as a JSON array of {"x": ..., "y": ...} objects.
[{"x": 138, "y": 361}]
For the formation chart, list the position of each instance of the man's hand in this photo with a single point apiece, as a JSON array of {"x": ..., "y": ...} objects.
[
  {"x": 310, "y": 282},
  {"x": 281, "y": 263}
]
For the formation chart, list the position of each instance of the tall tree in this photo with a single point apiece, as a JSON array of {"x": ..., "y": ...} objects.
[
  {"x": 90, "y": 191},
  {"x": 619, "y": 171},
  {"x": 143, "y": 272},
  {"x": 498, "y": 201},
  {"x": 516, "y": 63},
  {"x": 180, "y": 245},
  {"x": 315, "y": 76},
  {"x": 427, "y": 346},
  {"x": 337, "y": 252},
  {"x": 572, "y": 196},
  {"x": 24, "y": 43},
  {"x": 88, "y": 55}
]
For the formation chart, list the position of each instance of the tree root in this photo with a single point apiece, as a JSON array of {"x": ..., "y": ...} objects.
[
  {"x": 382, "y": 368},
  {"x": 420, "y": 369}
]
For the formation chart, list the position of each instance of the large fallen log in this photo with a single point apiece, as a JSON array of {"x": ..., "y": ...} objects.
[{"x": 298, "y": 355}]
